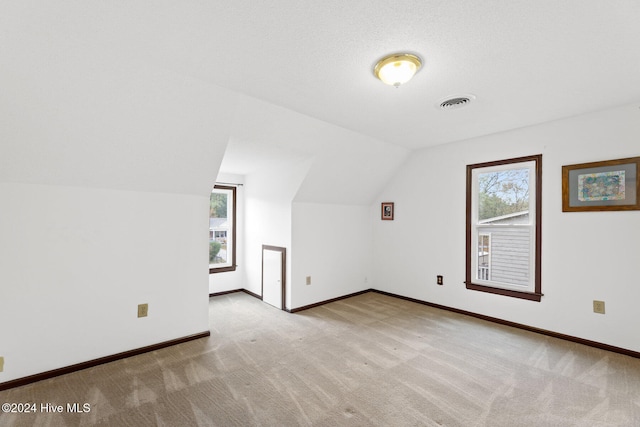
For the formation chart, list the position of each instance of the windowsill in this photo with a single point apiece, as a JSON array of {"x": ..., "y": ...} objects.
[
  {"x": 506, "y": 292},
  {"x": 222, "y": 269}
]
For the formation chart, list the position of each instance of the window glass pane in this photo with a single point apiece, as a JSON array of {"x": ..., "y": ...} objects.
[
  {"x": 484, "y": 249},
  {"x": 510, "y": 256},
  {"x": 503, "y": 196}
]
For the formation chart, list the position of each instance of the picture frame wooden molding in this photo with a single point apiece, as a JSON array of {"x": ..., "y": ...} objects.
[
  {"x": 387, "y": 211},
  {"x": 610, "y": 185}
]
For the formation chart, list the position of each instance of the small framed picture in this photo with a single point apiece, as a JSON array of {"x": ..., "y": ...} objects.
[
  {"x": 387, "y": 210},
  {"x": 611, "y": 185}
]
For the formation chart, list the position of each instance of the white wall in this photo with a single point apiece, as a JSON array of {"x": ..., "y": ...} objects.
[
  {"x": 332, "y": 244},
  {"x": 104, "y": 181},
  {"x": 76, "y": 262},
  {"x": 585, "y": 256},
  {"x": 268, "y": 198}
]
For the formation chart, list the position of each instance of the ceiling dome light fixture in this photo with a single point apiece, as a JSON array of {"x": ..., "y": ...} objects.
[{"x": 397, "y": 69}]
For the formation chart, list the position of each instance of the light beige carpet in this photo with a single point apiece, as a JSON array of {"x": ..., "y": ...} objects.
[{"x": 370, "y": 360}]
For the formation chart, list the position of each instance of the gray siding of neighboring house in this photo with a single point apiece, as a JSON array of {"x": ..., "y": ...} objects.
[{"x": 509, "y": 254}]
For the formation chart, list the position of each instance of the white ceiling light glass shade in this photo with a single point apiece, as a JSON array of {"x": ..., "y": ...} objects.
[{"x": 397, "y": 69}]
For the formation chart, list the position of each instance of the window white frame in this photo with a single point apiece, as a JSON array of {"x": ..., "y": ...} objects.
[{"x": 532, "y": 289}]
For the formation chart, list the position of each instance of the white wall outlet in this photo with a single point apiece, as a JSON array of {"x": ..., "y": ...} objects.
[{"x": 308, "y": 280}]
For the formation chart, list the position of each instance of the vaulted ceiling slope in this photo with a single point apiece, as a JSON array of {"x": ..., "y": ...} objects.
[
  {"x": 117, "y": 93},
  {"x": 82, "y": 106},
  {"x": 345, "y": 167}
]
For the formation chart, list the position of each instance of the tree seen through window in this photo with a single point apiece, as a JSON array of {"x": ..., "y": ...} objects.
[{"x": 502, "y": 193}]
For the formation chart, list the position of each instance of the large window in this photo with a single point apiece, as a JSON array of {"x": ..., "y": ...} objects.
[
  {"x": 504, "y": 227},
  {"x": 222, "y": 229}
]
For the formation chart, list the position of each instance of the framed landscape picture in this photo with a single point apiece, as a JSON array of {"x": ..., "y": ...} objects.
[
  {"x": 387, "y": 210},
  {"x": 611, "y": 185}
]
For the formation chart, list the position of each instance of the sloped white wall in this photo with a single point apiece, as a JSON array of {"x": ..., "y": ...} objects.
[
  {"x": 136, "y": 129},
  {"x": 334, "y": 245},
  {"x": 585, "y": 255},
  {"x": 348, "y": 168},
  {"x": 105, "y": 175}
]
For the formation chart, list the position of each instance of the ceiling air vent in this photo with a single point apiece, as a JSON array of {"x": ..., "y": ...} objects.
[{"x": 456, "y": 102}]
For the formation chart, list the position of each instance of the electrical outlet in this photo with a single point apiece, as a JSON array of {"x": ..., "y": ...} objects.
[
  {"x": 1, "y": 364},
  {"x": 143, "y": 310},
  {"x": 598, "y": 307},
  {"x": 439, "y": 280},
  {"x": 308, "y": 280}
]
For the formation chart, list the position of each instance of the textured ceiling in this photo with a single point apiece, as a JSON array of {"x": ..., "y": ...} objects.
[
  {"x": 526, "y": 61},
  {"x": 80, "y": 69}
]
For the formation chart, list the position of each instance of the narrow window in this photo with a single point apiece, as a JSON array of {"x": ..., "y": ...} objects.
[
  {"x": 222, "y": 229},
  {"x": 504, "y": 227}
]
